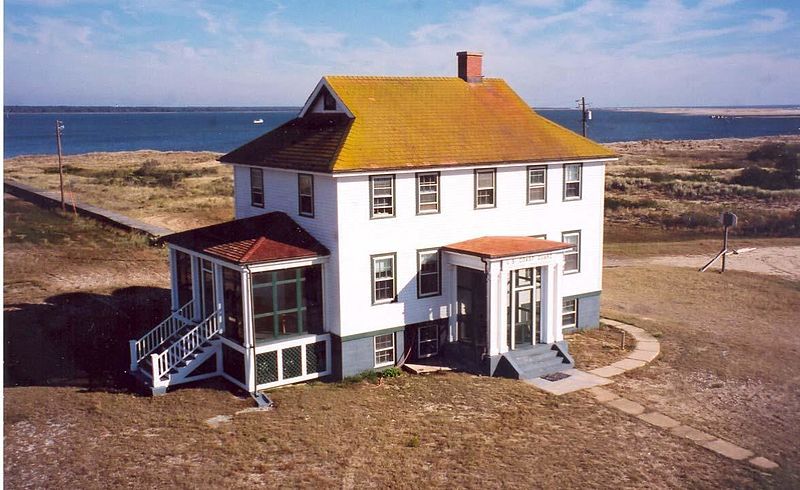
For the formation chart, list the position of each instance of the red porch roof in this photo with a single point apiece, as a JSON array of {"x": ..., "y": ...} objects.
[
  {"x": 269, "y": 237},
  {"x": 495, "y": 247}
]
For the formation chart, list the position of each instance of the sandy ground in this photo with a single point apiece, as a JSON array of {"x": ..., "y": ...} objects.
[{"x": 776, "y": 261}]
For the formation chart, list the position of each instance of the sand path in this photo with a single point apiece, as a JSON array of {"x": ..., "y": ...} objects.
[{"x": 777, "y": 261}]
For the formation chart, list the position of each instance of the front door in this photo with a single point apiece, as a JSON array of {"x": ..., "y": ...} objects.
[
  {"x": 208, "y": 298},
  {"x": 471, "y": 317},
  {"x": 523, "y": 307}
]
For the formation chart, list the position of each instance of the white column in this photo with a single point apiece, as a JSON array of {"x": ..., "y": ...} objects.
[
  {"x": 557, "y": 305},
  {"x": 452, "y": 335},
  {"x": 551, "y": 301},
  {"x": 173, "y": 280},
  {"x": 219, "y": 293},
  {"x": 502, "y": 306},
  {"x": 492, "y": 307},
  {"x": 247, "y": 309},
  {"x": 196, "y": 296},
  {"x": 247, "y": 318},
  {"x": 548, "y": 288}
]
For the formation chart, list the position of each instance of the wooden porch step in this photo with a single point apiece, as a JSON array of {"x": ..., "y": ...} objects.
[{"x": 424, "y": 369}]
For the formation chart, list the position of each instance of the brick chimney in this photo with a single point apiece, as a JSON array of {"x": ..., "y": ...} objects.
[{"x": 470, "y": 66}]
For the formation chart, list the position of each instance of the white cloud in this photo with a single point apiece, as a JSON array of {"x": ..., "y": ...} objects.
[
  {"x": 772, "y": 20},
  {"x": 211, "y": 22},
  {"x": 311, "y": 38},
  {"x": 613, "y": 52}
]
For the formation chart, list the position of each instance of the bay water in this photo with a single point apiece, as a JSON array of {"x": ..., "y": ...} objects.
[{"x": 30, "y": 134}]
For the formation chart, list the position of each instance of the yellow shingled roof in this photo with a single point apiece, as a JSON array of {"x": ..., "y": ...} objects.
[{"x": 433, "y": 121}]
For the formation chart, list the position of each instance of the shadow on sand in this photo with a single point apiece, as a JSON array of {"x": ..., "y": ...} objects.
[{"x": 79, "y": 339}]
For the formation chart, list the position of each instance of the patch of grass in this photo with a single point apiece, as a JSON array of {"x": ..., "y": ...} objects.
[
  {"x": 598, "y": 347},
  {"x": 413, "y": 441},
  {"x": 613, "y": 203},
  {"x": 151, "y": 173}
]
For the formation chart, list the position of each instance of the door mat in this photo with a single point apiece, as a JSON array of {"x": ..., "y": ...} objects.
[{"x": 555, "y": 376}]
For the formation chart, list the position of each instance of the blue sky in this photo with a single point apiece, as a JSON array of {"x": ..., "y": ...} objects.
[{"x": 616, "y": 53}]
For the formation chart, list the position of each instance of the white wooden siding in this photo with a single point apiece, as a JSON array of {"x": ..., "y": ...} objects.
[
  {"x": 360, "y": 237},
  {"x": 280, "y": 194}
]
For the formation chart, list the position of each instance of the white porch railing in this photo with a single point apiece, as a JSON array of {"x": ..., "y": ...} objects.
[
  {"x": 181, "y": 348},
  {"x": 151, "y": 340}
]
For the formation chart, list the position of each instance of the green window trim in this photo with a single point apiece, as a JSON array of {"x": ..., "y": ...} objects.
[{"x": 300, "y": 309}]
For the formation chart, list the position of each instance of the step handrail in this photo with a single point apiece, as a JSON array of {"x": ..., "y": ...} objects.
[
  {"x": 180, "y": 349},
  {"x": 150, "y": 341}
]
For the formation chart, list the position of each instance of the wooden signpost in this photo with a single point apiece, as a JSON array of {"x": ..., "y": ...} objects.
[{"x": 728, "y": 220}]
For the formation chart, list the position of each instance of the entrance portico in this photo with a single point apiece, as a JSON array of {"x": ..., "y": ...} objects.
[{"x": 523, "y": 300}]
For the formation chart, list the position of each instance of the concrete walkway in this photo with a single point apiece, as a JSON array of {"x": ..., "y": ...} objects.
[
  {"x": 720, "y": 446},
  {"x": 647, "y": 349},
  {"x": 52, "y": 199}
]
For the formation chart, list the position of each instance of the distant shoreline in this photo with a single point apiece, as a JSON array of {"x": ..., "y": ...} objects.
[
  {"x": 15, "y": 109},
  {"x": 718, "y": 111}
]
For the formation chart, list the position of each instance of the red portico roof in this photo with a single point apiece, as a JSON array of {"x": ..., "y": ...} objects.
[
  {"x": 495, "y": 247},
  {"x": 269, "y": 237}
]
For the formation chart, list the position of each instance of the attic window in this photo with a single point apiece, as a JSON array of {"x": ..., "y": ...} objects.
[{"x": 328, "y": 101}]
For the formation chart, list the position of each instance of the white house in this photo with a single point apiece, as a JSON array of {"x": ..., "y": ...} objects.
[{"x": 394, "y": 218}]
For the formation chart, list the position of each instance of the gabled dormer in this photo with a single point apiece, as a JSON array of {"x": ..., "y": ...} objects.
[{"x": 324, "y": 100}]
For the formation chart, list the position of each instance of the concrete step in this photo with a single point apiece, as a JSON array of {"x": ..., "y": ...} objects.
[
  {"x": 538, "y": 360},
  {"x": 535, "y": 357},
  {"x": 544, "y": 368}
]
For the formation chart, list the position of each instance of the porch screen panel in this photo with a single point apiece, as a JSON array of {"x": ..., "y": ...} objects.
[
  {"x": 316, "y": 360},
  {"x": 232, "y": 297},
  {"x": 287, "y": 302},
  {"x": 292, "y": 362},
  {"x": 233, "y": 363},
  {"x": 266, "y": 367},
  {"x": 183, "y": 264}
]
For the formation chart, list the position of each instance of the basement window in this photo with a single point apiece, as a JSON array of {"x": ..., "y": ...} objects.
[
  {"x": 569, "y": 313},
  {"x": 428, "y": 343},
  {"x": 384, "y": 350}
]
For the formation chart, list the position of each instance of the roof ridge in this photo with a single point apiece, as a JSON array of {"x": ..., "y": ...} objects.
[
  {"x": 400, "y": 77},
  {"x": 253, "y": 249}
]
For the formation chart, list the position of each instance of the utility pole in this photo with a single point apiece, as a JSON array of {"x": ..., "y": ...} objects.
[
  {"x": 59, "y": 130},
  {"x": 584, "y": 115}
]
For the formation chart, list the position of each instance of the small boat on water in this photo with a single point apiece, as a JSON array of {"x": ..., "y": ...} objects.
[{"x": 258, "y": 121}]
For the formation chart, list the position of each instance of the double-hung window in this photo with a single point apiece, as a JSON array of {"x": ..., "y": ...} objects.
[
  {"x": 485, "y": 188},
  {"x": 383, "y": 278},
  {"x": 572, "y": 259},
  {"x": 305, "y": 194},
  {"x": 257, "y": 187},
  {"x": 382, "y": 196},
  {"x": 537, "y": 185},
  {"x": 428, "y": 193},
  {"x": 572, "y": 181},
  {"x": 569, "y": 313},
  {"x": 384, "y": 350},
  {"x": 428, "y": 274},
  {"x": 428, "y": 342}
]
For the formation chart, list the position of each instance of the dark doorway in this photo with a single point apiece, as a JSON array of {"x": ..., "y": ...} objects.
[{"x": 471, "y": 313}]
